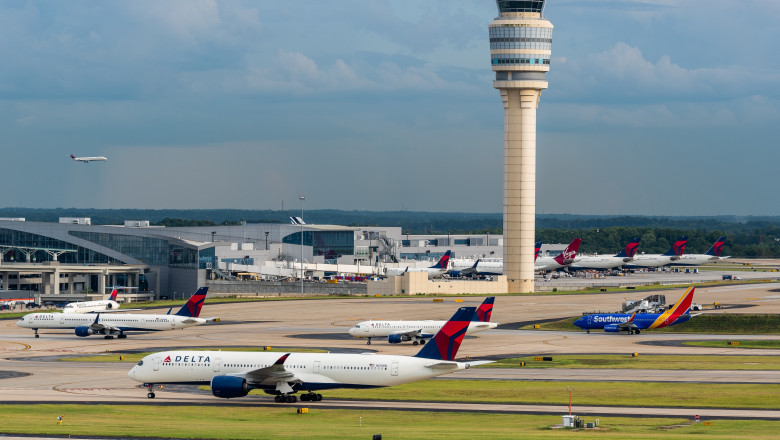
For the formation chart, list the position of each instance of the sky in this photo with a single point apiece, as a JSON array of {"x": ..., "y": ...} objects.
[{"x": 654, "y": 107}]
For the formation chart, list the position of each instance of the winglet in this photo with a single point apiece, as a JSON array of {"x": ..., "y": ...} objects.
[
  {"x": 282, "y": 359},
  {"x": 484, "y": 310},
  {"x": 444, "y": 345},
  {"x": 194, "y": 304}
]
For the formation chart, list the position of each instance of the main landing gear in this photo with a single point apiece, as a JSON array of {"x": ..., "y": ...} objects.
[
  {"x": 36, "y": 333},
  {"x": 121, "y": 335},
  {"x": 369, "y": 341},
  {"x": 311, "y": 397},
  {"x": 421, "y": 342},
  {"x": 285, "y": 398}
]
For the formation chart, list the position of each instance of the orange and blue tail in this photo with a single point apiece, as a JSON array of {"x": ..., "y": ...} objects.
[
  {"x": 484, "y": 310},
  {"x": 680, "y": 308},
  {"x": 194, "y": 304},
  {"x": 445, "y": 344}
]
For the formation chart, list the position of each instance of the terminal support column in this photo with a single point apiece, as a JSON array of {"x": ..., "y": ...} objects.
[{"x": 519, "y": 186}]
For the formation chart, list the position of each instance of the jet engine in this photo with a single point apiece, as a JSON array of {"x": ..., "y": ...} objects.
[
  {"x": 84, "y": 331},
  {"x": 611, "y": 328},
  {"x": 229, "y": 386},
  {"x": 394, "y": 339}
]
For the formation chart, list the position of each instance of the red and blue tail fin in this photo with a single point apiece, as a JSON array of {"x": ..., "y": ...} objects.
[
  {"x": 537, "y": 248},
  {"x": 443, "y": 262},
  {"x": 194, "y": 304},
  {"x": 630, "y": 250},
  {"x": 444, "y": 345},
  {"x": 484, "y": 310},
  {"x": 114, "y": 292},
  {"x": 570, "y": 253},
  {"x": 717, "y": 248},
  {"x": 678, "y": 247}
]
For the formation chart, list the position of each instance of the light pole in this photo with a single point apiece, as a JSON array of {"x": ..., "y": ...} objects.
[
  {"x": 301, "y": 198},
  {"x": 570, "y": 389}
]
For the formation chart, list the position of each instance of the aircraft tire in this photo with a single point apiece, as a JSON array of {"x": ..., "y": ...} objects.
[
  {"x": 422, "y": 341},
  {"x": 637, "y": 331},
  {"x": 305, "y": 397},
  {"x": 150, "y": 395},
  {"x": 37, "y": 335},
  {"x": 318, "y": 397},
  {"x": 122, "y": 336},
  {"x": 415, "y": 343}
]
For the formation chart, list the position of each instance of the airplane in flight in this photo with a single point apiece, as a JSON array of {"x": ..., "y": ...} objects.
[
  {"x": 102, "y": 305},
  {"x": 419, "y": 331},
  {"x": 655, "y": 260},
  {"x": 606, "y": 261},
  {"x": 233, "y": 374},
  {"x": 713, "y": 254},
  {"x": 635, "y": 323},
  {"x": 563, "y": 259},
  {"x": 492, "y": 266},
  {"x": 86, "y": 324},
  {"x": 437, "y": 270},
  {"x": 89, "y": 159}
]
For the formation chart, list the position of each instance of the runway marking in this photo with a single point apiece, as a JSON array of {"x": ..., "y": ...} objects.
[
  {"x": 547, "y": 341},
  {"x": 26, "y": 347}
]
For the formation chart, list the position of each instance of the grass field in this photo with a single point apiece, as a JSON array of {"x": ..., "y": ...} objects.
[
  {"x": 284, "y": 423},
  {"x": 716, "y": 323},
  {"x": 736, "y": 344},
  {"x": 656, "y": 362},
  {"x": 684, "y": 395}
]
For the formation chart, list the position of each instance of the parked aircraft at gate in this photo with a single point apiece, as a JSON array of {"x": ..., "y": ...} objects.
[
  {"x": 491, "y": 266},
  {"x": 93, "y": 306},
  {"x": 605, "y": 261},
  {"x": 419, "y": 331},
  {"x": 234, "y": 374},
  {"x": 617, "y": 322},
  {"x": 109, "y": 324},
  {"x": 565, "y": 258},
  {"x": 655, "y": 260},
  {"x": 434, "y": 271},
  {"x": 713, "y": 254}
]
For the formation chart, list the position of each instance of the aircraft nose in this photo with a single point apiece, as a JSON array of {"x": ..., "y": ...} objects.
[
  {"x": 578, "y": 322},
  {"x": 352, "y": 331},
  {"x": 131, "y": 373}
]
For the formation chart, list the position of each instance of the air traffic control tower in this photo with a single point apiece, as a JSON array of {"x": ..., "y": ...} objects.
[{"x": 520, "y": 48}]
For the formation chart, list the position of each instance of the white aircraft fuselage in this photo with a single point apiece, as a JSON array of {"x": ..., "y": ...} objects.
[
  {"x": 383, "y": 329},
  {"x": 599, "y": 262},
  {"x": 90, "y": 306},
  {"x": 309, "y": 371},
  {"x": 432, "y": 272},
  {"x": 651, "y": 260},
  {"x": 120, "y": 321},
  {"x": 694, "y": 260}
]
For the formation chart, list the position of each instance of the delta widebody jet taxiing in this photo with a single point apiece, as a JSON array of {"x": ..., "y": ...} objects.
[
  {"x": 419, "y": 331},
  {"x": 619, "y": 322},
  {"x": 234, "y": 374},
  {"x": 110, "y": 324}
]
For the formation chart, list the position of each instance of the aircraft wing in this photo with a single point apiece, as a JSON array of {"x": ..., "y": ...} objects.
[
  {"x": 275, "y": 375},
  {"x": 409, "y": 333},
  {"x": 98, "y": 327}
]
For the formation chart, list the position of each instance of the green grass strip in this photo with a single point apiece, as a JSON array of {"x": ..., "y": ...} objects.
[
  {"x": 736, "y": 343},
  {"x": 220, "y": 422},
  {"x": 655, "y": 362}
]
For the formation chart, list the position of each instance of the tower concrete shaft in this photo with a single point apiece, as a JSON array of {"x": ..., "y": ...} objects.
[{"x": 520, "y": 48}]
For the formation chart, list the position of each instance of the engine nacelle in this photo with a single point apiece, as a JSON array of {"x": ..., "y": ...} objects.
[
  {"x": 611, "y": 328},
  {"x": 84, "y": 331},
  {"x": 229, "y": 386},
  {"x": 394, "y": 339},
  {"x": 109, "y": 306}
]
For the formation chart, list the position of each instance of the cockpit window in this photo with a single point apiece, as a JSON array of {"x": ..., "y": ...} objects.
[
  {"x": 357, "y": 326},
  {"x": 140, "y": 363}
]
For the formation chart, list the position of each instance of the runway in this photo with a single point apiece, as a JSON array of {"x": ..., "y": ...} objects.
[{"x": 320, "y": 323}]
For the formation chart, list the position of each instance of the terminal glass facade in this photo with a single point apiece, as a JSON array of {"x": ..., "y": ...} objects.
[
  {"x": 330, "y": 244},
  {"x": 152, "y": 251}
]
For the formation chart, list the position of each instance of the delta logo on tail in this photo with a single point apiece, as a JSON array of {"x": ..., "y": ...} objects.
[
  {"x": 630, "y": 250},
  {"x": 570, "y": 253},
  {"x": 717, "y": 247},
  {"x": 443, "y": 262},
  {"x": 679, "y": 246},
  {"x": 537, "y": 249},
  {"x": 485, "y": 309},
  {"x": 194, "y": 304},
  {"x": 445, "y": 344}
]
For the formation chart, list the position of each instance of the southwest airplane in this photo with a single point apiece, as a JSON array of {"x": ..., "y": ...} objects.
[
  {"x": 617, "y": 322},
  {"x": 418, "y": 331},
  {"x": 713, "y": 254},
  {"x": 565, "y": 258},
  {"x": 234, "y": 374},
  {"x": 655, "y": 260},
  {"x": 88, "y": 159},
  {"x": 86, "y": 324},
  {"x": 607, "y": 262},
  {"x": 434, "y": 271},
  {"x": 93, "y": 306}
]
